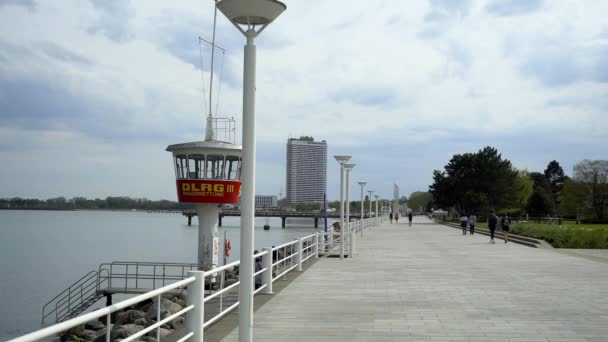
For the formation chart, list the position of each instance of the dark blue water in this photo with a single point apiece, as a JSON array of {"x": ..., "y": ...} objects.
[{"x": 42, "y": 252}]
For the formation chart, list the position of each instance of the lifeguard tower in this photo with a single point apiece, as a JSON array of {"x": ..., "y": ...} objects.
[{"x": 208, "y": 174}]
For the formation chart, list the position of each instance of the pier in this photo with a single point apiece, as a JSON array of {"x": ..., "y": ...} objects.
[
  {"x": 283, "y": 214},
  {"x": 428, "y": 282}
]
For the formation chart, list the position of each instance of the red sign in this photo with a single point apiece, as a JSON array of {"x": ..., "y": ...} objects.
[{"x": 208, "y": 191}]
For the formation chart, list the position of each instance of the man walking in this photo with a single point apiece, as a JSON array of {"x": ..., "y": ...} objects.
[
  {"x": 390, "y": 216},
  {"x": 472, "y": 224},
  {"x": 463, "y": 223},
  {"x": 492, "y": 222},
  {"x": 506, "y": 225},
  {"x": 409, "y": 216}
]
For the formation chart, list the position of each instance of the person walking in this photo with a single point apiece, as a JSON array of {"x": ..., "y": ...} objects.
[
  {"x": 409, "y": 217},
  {"x": 492, "y": 222},
  {"x": 258, "y": 267},
  {"x": 464, "y": 220},
  {"x": 391, "y": 217},
  {"x": 396, "y": 217},
  {"x": 506, "y": 225},
  {"x": 472, "y": 224}
]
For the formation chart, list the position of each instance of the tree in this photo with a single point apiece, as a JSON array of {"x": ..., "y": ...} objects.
[
  {"x": 523, "y": 187},
  {"x": 556, "y": 178},
  {"x": 472, "y": 182},
  {"x": 540, "y": 203},
  {"x": 419, "y": 200},
  {"x": 573, "y": 199},
  {"x": 594, "y": 175},
  {"x": 309, "y": 206}
]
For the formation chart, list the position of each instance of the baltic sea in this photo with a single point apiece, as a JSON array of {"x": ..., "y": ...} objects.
[{"x": 42, "y": 252}]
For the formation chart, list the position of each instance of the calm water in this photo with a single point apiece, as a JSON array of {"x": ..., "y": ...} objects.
[{"x": 42, "y": 252}]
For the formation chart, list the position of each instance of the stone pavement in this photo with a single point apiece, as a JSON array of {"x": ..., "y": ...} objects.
[{"x": 429, "y": 283}]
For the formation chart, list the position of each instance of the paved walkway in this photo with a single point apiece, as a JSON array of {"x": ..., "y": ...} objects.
[{"x": 429, "y": 283}]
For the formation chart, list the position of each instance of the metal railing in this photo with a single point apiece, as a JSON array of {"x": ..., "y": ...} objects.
[
  {"x": 144, "y": 275},
  {"x": 276, "y": 263}
]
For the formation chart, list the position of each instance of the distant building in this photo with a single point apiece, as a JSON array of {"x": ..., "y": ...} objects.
[
  {"x": 306, "y": 170},
  {"x": 262, "y": 201}
]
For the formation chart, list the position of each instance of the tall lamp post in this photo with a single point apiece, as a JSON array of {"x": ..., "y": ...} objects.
[
  {"x": 250, "y": 17},
  {"x": 347, "y": 168},
  {"x": 362, "y": 184},
  {"x": 342, "y": 160},
  {"x": 376, "y": 196},
  {"x": 370, "y": 192}
]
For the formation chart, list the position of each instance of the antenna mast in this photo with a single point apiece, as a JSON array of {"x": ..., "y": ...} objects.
[{"x": 209, "y": 132}]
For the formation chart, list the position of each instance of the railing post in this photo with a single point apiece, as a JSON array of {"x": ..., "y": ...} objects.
[
  {"x": 299, "y": 255},
  {"x": 196, "y": 294},
  {"x": 267, "y": 276},
  {"x": 317, "y": 246},
  {"x": 331, "y": 237}
]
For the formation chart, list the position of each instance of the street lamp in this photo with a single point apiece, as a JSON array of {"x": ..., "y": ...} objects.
[
  {"x": 362, "y": 184},
  {"x": 342, "y": 160},
  {"x": 348, "y": 168},
  {"x": 377, "y": 196},
  {"x": 370, "y": 192},
  {"x": 247, "y": 16}
]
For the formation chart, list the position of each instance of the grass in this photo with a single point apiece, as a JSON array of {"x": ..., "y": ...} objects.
[{"x": 568, "y": 235}]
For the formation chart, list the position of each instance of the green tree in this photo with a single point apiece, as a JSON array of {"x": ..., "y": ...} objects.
[
  {"x": 473, "y": 182},
  {"x": 419, "y": 200},
  {"x": 309, "y": 206},
  {"x": 574, "y": 196},
  {"x": 540, "y": 203},
  {"x": 594, "y": 175},
  {"x": 556, "y": 178},
  {"x": 523, "y": 187}
]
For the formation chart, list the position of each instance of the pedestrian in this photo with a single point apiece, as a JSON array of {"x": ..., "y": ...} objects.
[
  {"x": 492, "y": 222},
  {"x": 391, "y": 217},
  {"x": 396, "y": 217},
  {"x": 505, "y": 222},
  {"x": 464, "y": 220},
  {"x": 409, "y": 216},
  {"x": 258, "y": 267},
  {"x": 472, "y": 223}
]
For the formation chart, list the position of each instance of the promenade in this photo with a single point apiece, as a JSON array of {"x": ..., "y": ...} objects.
[{"x": 429, "y": 283}]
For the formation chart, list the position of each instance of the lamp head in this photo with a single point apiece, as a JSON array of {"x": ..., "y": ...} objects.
[
  {"x": 342, "y": 159},
  {"x": 251, "y": 12},
  {"x": 349, "y": 167},
  {"x": 377, "y": 196},
  {"x": 362, "y": 183}
]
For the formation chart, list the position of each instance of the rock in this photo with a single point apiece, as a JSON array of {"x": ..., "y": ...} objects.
[
  {"x": 129, "y": 317},
  {"x": 148, "y": 338},
  {"x": 94, "y": 325},
  {"x": 88, "y": 335},
  {"x": 167, "y": 308},
  {"x": 178, "y": 322},
  {"x": 163, "y": 332},
  {"x": 124, "y": 331},
  {"x": 75, "y": 331},
  {"x": 73, "y": 338},
  {"x": 141, "y": 321},
  {"x": 179, "y": 301}
]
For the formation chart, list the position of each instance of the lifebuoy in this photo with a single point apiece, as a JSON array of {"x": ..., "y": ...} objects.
[{"x": 227, "y": 248}]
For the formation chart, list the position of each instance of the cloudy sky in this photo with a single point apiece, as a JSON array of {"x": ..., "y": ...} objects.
[{"x": 92, "y": 92}]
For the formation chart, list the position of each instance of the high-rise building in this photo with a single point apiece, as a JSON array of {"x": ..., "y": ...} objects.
[
  {"x": 262, "y": 201},
  {"x": 306, "y": 170}
]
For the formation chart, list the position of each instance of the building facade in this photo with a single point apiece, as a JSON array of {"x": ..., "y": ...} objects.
[
  {"x": 306, "y": 170},
  {"x": 262, "y": 201}
]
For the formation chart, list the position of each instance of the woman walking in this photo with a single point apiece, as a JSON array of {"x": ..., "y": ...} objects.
[
  {"x": 463, "y": 223},
  {"x": 472, "y": 223},
  {"x": 492, "y": 222}
]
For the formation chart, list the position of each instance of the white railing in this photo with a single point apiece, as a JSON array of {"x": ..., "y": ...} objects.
[{"x": 276, "y": 263}]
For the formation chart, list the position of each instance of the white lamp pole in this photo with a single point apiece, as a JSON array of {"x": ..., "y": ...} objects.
[
  {"x": 376, "y": 196},
  {"x": 370, "y": 192},
  {"x": 342, "y": 160},
  {"x": 362, "y": 184},
  {"x": 250, "y": 17},
  {"x": 348, "y": 168}
]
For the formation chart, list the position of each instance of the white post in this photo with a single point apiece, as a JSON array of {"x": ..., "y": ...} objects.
[
  {"x": 267, "y": 275},
  {"x": 317, "y": 246},
  {"x": 352, "y": 245},
  {"x": 362, "y": 214},
  {"x": 347, "y": 220},
  {"x": 342, "y": 211},
  {"x": 377, "y": 217},
  {"x": 208, "y": 239},
  {"x": 248, "y": 193},
  {"x": 299, "y": 255},
  {"x": 196, "y": 293}
]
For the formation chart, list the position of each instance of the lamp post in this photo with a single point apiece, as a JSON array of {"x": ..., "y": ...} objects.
[
  {"x": 247, "y": 16},
  {"x": 370, "y": 192},
  {"x": 342, "y": 160},
  {"x": 362, "y": 184},
  {"x": 347, "y": 168},
  {"x": 376, "y": 196}
]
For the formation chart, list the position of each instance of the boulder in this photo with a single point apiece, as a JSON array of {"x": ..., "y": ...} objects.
[
  {"x": 124, "y": 331},
  {"x": 167, "y": 308},
  {"x": 148, "y": 339},
  {"x": 94, "y": 325},
  {"x": 163, "y": 332},
  {"x": 73, "y": 338},
  {"x": 129, "y": 317},
  {"x": 88, "y": 335},
  {"x": 178, "y": 322},
  {"x": 141, "y": 321}
]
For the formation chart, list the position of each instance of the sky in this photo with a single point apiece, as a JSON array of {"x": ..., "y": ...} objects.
[{"x": 92, "y": 92}]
